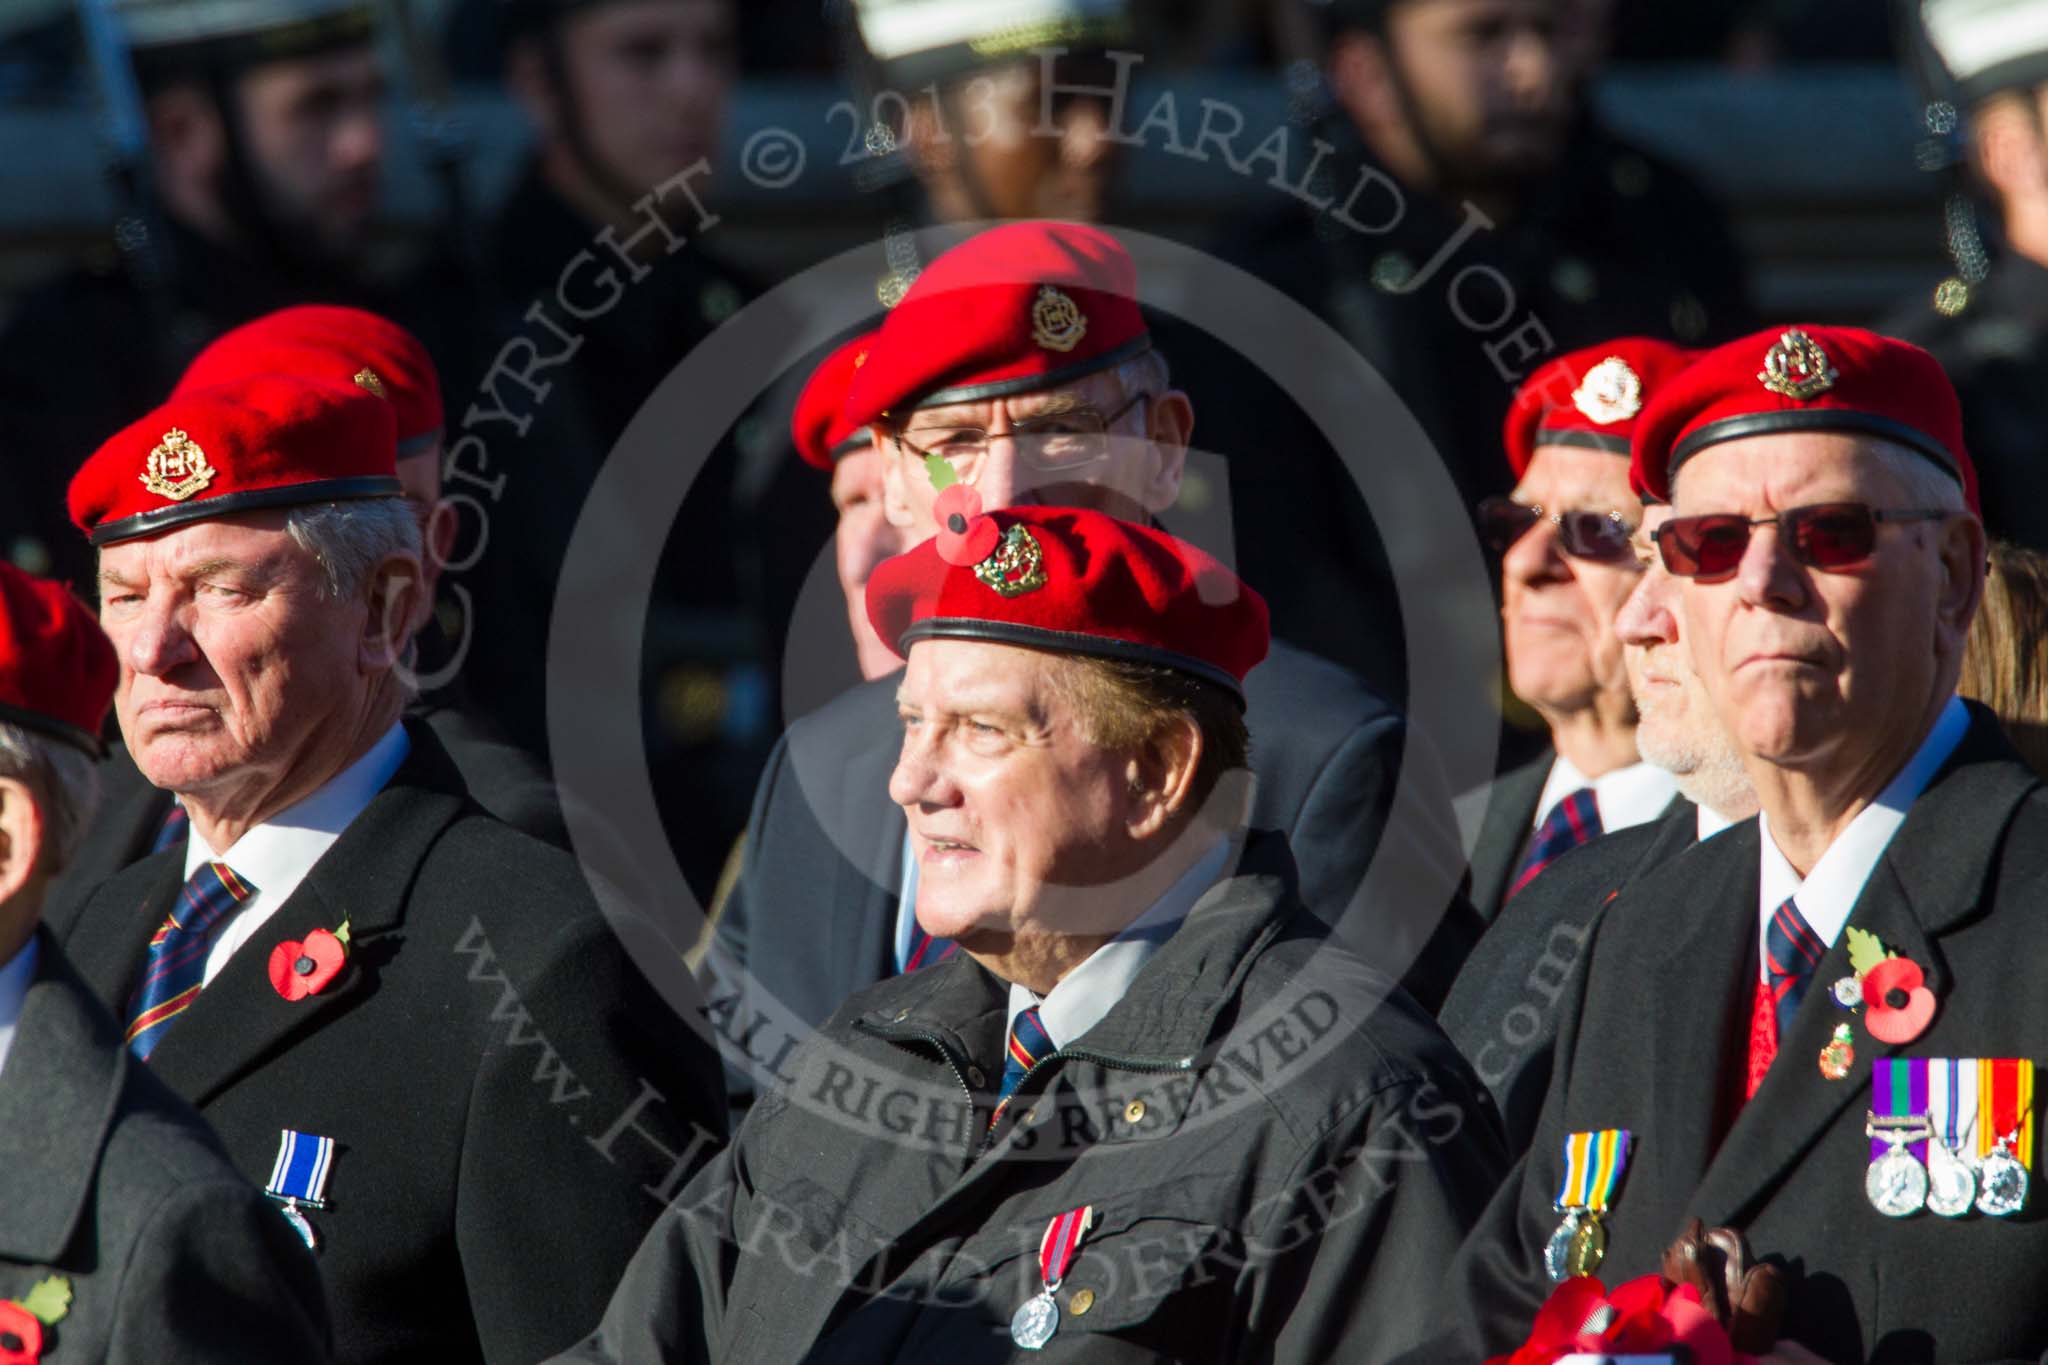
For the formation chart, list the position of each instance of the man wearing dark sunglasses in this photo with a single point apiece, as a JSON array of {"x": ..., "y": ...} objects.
[
  {"x": 1774, "y": 1015},
  {"x": 1566, "y": 566}
]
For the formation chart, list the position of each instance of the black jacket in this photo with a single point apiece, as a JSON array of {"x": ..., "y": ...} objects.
[
  {"x": 1280, "y": 1148},
  {"x": 1504, "y": 831},
  {"x": 812, "y": 918},
  {"x": 511, "y": 1098},
  {"x": 1502, "y": 1011},
  {"x": 112, "y": 1182},
  {"x": 1654, "y": 1039}
]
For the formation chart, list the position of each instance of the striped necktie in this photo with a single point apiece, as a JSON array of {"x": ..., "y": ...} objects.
[
  {"x": 1030, "y": 1044},
  {"x": 1791, "y": 952},
  {"x": 1571, "y": 822},
  {"x": 172, "y": 831},
  {"x": 176, "y": 967},
  {"x": 926, "y": 951}
]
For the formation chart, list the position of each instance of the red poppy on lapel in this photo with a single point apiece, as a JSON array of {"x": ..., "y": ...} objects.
[
  {"x": 298, "y": 969},
  {"x": 21, "y": 1335},
  {"x": 1646, "y": 1315},
  {"x": 1897, "y": 1006}
]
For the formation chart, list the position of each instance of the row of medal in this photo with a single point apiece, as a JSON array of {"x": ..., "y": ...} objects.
[{"x": 1950, "y": 1134}]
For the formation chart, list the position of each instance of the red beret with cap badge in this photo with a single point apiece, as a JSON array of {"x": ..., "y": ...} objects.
[{"x": 1589, "y": 398}]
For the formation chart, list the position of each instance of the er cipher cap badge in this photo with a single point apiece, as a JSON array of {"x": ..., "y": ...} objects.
[
  {"x": 1797, "y": 367},
  {"x": 177, "y": 468},
  {"x": 1057, "y": 322}
]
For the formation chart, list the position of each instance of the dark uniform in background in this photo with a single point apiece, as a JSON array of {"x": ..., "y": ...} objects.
[{"x": 93, "y": 349}]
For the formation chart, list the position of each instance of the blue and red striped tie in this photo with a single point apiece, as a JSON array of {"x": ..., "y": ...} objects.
[
  {"x": 176, "y": 967},
  {"x": 926, "y": 951},
  {"x": 1029, "y": 1045},
  {"x": 172, "y": 831},
  {"x": 1573, "y": 821},
  {"x": 1791, "y": 953}
]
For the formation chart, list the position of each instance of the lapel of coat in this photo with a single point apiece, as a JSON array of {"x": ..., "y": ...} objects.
[
  {"x": 1931, "y": 876},
  {"x": 1504, "y": 831},
  {"x": 65, "y": 1073},
  {"x": 239, "y": 1019},
  {"x": 108, "y": 938},
  {"x": 1691, "y": 930}
]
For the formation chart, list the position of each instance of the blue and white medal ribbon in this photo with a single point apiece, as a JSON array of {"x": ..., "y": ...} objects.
[{"x": 299, "y": 1178}]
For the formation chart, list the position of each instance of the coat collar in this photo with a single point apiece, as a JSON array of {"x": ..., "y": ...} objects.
[
  {"x": 65, "y": 1076},
  {"x": 1172, "y": 1011},
  {"x": 1933, "y": 876},
  {"x": 365, "y": 879}
]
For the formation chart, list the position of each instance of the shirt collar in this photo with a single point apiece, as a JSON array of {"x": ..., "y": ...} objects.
[
  {"x": 1634, "y": 795},
  {"x": 1712, "y": 822},
  {"x": 1830, "y": 891},
  {"x": 1088, "y": 992},
  {"x": 15, "y": 979},
  {"x": 282, "y": 850}
]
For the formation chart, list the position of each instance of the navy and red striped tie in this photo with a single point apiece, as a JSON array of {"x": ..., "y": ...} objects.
[
  {"x": 176, "y": 967},
  {"x": 1573, "y": 821},
  {"x": 926, "y": 951},
  {"x": 1029, "y": 1045},
  {"x": 1791, "y": 953}
]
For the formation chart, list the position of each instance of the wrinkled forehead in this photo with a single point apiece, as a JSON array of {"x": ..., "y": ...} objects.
[
  {"x": 1784, "y": 469},
  {"x": 254, "y": 540},
  {"x": 1091, "y": 392},
  {"x": 1564, "y": 477},
  {"x": 963, "y": 676}
]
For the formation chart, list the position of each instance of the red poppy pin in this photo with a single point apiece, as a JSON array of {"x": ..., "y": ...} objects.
[
  {"x": 23, "y": 1321},
  {"x": 966, "y": 537},
  {"x": 1644, "y": 1317},
  {"x": 1892, "y": 990},
  {"x": 302, "y": 968}
]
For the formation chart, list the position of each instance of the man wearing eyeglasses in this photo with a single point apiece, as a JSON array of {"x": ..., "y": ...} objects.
[
  {"x": 1020, "y": 371},
  {"x": 1566, "y": 567},
  {"x": 1817, "y": 1029}
]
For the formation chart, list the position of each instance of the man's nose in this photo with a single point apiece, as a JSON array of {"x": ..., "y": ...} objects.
[{"x": 160, "y": 641}]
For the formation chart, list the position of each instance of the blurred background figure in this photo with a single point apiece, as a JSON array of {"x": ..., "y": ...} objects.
[
  {"x": 257, "y": 185},
  {"x": 2005, "y": 657},
  {"x": 627, "y": 102},
  {"x": 1481, "y": 218},
  {"x": 1988, "y": 323}
]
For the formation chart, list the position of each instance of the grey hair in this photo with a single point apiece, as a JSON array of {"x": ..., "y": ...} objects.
[
  {"x": 349, "y": 539},
  {"x": 1146, "y": 372},
  {"x": 1921, "y": 482},
  {"x": 66, "y": 783}
]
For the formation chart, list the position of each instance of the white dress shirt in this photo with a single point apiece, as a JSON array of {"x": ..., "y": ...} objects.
[
  {"x": 1626, "y": 797},
  {"x": 276, "y": 855},
  {"x": 1092, "y": 989},
  {"x": 1712, "y": 823},
  {"x": 15, "y": 979},
  {"x": 1830, "y": 891}
]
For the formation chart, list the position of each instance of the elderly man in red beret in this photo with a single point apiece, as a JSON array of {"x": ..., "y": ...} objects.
[
  {"x": 1147, "y": 1110},
  {"x": 1816, "y": 1032},
  {"x": 1566, "y": 567},
  {"x": 128, "y": 1235},
  {"x": 863, "y": 536},
  {"x": 345, "y": 346},
  {"x": 1021, "y": 365},
  {"x": 395, "y": 1009}
]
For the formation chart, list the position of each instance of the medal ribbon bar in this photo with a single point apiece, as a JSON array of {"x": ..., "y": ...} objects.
[
  {"x": 1593, "y": 1166},
  {"x": 300, "y": 1173},
  {"x": 1899, "y": 1091}
]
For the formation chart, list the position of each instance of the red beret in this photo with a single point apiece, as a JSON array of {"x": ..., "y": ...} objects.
[
  {"x": 1018, "y": 308},
  {"x": 1074, "y": 581},
  {"x": 817, "y": 407},
  {"x": 1804, "y": 379},
  {"x": 1590, "y": 398},
  {"x": 57, "y": 667},
  {"x": 269, "y": 441},
  {"x": 341, "y": 346}
]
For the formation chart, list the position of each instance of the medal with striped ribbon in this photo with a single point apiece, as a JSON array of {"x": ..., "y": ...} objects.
[
  {"x": 299, "y": 1178},
  {"x": 1594, "y": 1164},
  {"x": 1034, "y": 1324},
  {"x": 1896, "y": 1183},
  {"x": 2005, "y": 1133},
  {"x": 1952, "y": 1139}
]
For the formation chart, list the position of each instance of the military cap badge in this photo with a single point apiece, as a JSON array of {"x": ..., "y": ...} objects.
[
  {"x": 1057, "y": 322},
  {"x": 177, "y": 468},
  {"x": 1797, "y": 367},
  {"x": 1611, "y": 392},
  {"x": 367, "y": 378}
]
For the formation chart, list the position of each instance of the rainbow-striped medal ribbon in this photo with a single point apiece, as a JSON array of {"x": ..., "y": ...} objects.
[{"x": 1593, "y": 1166}]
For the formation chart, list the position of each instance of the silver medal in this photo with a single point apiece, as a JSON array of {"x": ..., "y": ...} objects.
[
  {"x": 301, "y": 1225},
  {"x": 2002, "y": 1183},
  {"x": 1896, "y": 1184},
  {"x": 1951, "y": 1184},
  {"x": 1034, "y": 1324},
  {"x": 1557, "y": 1253}
]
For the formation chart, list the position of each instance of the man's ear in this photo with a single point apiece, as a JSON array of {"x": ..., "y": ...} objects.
[
  {"x": 21, "y": 840},
  {"x": 2009, "y": 152},
  {"x": 929, "y": 141},
  {"x": 1162, "y": 776},
  {"x": 1170, "y": 426},
  {"x": 1963, "y": 554},
  {"x": 395, "y": 596}
]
